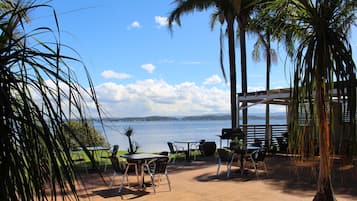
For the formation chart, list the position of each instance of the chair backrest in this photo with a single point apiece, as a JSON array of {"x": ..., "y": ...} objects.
[
  {"x": 161, "y": 165},
  {"x": 257, "y": 142},
  {"x": 115, "y": 150},
  {"x": 224, "y": 154},
  {"x": 164, "y": 153},
  {"x": 171, "y": 147},
  {"x": 208, "y": 148},
  {"x": 258, "y": 155},
  {"x": 158, "y": 166},
  {"x": 116, "y": 165}
]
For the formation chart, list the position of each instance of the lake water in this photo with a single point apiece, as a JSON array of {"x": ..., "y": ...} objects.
[{"x": 152, "y": 136}]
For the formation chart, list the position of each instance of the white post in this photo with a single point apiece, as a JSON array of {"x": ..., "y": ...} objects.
[{"x": 237, "y": 110}]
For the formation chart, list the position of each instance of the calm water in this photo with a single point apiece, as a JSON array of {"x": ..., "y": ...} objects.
[{"x": 152, "y": 136}]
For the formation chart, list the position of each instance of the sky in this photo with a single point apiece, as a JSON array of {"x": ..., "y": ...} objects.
[{"x": 140, "y": 68}]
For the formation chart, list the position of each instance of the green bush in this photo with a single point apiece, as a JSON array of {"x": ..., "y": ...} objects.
[{"x": 78, "y": 132}]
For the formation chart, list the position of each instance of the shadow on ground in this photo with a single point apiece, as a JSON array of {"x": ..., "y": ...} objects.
[
  {"x": 125, "y": 192},
  {"x": 285, "y": 173}
]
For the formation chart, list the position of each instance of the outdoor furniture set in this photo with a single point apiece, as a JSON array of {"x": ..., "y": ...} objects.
[
  {"x": 206, "y": 148},
  {"x": 152, "y": 164},
  {"x": 253, "y": 154}
]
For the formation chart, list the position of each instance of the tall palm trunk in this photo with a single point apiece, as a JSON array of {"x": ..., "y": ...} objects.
[
  {"x": 267, "y": 108},
  {"x": 232, "y": 68},
  {"x": 243, "y": 60},
  {"x": 324, "y": 186}
]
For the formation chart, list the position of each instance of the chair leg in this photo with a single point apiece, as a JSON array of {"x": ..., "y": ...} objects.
[
  {"x": 122, "y": 182},
  {"x": 174, "y": 160},
  {"x": 229, "y": 167},
  {"x": 137, "y": 173},
  {"x": 112, "y": 181},
  {"x": 159, "y": 180},
  {"x": 152, "y": 177},
  {"x": 126, "y": 175},
  {"x": 255, "y": 168},
  {"x": 228, "y": 170},
  {"x": 218, "y": 166},
  {"x": 265, "y": 168},
  {"x": 168, "y": 181}
]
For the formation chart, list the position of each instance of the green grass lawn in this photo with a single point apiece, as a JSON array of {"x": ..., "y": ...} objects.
[{"x": 102, "y": 162}]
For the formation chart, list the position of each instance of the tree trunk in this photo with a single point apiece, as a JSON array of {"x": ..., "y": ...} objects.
[
  {"x": 267, "y": 108},
  {"x": 243, "y": 60},
  {"x": 232, "y": 68},
  {"x": 324, "y": 186}
]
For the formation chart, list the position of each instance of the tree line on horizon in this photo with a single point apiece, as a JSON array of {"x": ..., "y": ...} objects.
[{"x": 193, "y": 117}]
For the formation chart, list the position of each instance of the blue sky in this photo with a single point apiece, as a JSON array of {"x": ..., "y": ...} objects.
[{"x": 140, "y": 68}]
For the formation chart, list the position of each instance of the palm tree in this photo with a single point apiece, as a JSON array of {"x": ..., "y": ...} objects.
[
  {"x": 259, "y": 25},
  {"x": 39, "y": 92},
  {"x": 323, "y": 57},
  {"x": 226, "y": 11}
]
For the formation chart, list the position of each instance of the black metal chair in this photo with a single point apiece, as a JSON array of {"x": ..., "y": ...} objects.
[
  {"x": 158, "y": 167},
  {"x": 109, "y": 155},
  {"x": 227, "y": 156},
  {"x": 208, "y": 148},
  {"x": 174, "y": 150},
  {"x": 122, "y": 169},
  {"x": 256, "y": 157}
]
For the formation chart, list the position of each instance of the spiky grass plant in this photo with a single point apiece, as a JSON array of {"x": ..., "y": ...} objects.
[{"x": 38, "y": 93}]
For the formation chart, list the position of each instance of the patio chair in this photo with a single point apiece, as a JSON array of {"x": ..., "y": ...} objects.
[
  {"x": 208, "y": 148},
  {"x": 227, "y": 156},
  {"x": 122, "y": 169},
  {"x": 174, "y": 150},
  {"x": 112, "y": 152},
  {"x": 256, "y": 157},
  {"x": 158, "y": 167}
]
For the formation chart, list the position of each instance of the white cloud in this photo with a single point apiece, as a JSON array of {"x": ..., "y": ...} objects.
[
  {"x": 148, "y": 67},
  {"x": 167, "y": 61},
  {"x": 191, "y": 62},
  {"x": 214, "y": 79},
  {"x": 111, "y": 74},
  {"x": 157, "y": 97},
  {"x": 162, "y": 21},
  {"x": 255, "y": 88},
  {"x": 135, "y": 24}
]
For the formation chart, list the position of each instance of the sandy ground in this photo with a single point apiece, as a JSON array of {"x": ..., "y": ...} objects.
[{"x": 286, "y": 180}]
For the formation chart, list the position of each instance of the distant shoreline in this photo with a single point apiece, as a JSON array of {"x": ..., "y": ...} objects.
[{"x": 191, "y": 118}]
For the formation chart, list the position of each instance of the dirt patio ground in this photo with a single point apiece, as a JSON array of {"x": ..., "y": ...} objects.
[{"x": 197, "y": 181}]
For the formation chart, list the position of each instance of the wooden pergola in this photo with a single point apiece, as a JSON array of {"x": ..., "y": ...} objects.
[{"x": 273, "y": 97}]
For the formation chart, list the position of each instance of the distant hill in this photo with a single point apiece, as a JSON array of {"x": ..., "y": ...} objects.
[
  {"x": 149, "y": 118},
  {"x": 207, "y": 117},
  {"x": 198, "y": 117}
]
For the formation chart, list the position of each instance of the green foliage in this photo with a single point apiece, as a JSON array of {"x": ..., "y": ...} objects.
[
  {"x": 323, "y": 65},
  {"x": 323, "y": 61},
  {"x": 85, "y": 132},
  {"x": 38, "y": 93}
]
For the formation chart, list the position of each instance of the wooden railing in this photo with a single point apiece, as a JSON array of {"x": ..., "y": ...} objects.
[{"x": 261, "y": 134}]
